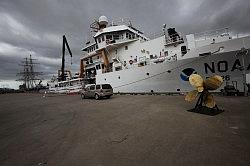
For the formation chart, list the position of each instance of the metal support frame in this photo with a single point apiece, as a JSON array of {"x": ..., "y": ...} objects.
[{"x": 199, "y": 103}]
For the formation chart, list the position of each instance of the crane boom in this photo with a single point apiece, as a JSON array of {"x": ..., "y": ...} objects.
[{"x": 63, "y": 77}]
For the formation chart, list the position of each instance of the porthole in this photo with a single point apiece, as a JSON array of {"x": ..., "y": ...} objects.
[
  {"x": 169, "y": 71},
  {"x": 147, "y": 74}
]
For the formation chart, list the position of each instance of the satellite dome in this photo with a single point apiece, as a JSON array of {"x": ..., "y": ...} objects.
[{"x": 103, "y": 20}]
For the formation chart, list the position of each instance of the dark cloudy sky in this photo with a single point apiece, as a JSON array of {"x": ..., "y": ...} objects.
[{"x": 36, "y": 26}]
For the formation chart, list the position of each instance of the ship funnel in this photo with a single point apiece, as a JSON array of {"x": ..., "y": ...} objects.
[{"x": 103, "y": 22}]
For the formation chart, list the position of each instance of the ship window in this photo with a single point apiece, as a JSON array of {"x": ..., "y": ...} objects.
[
  {"x": 166, "y": 53},
  {"x": 115, "y": 51},
  {"x": 116, "y": 37},
  {"x": 96, "y": 46},
  {"x": 99, "y": 40},
  {"x": 118, "y": 68},
  {"x": 127, "y": 35},
  {"x": 98, "y": 86},
  {"x": 126, "y": 47},
  {"x": 92, "y": 87},
  {"x": 103, "y": 38},
  {"x": 98, "y": 67},
  {"x": 108, "y": 37},
  {"x": 183, "y": 50}
]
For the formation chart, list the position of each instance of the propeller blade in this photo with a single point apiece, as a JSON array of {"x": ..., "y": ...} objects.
[
  {"x": 191, "y": 95},
  {"x": 209, "y": 100},
  {"x": 197, "y": 82},
  {"x": 214, "y": 82}
]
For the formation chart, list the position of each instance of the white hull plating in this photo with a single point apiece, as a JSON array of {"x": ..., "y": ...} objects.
[
  {"x": 172, "y": 76},
  {"x": 67, "y": 87},
  {"x": 65, "y": 90}
]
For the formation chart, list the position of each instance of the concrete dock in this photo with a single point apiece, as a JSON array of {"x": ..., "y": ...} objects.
[{"x": 126, "y": 130}]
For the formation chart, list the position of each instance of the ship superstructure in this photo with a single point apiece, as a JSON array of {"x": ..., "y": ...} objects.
[{"x": 121, "y": 55}]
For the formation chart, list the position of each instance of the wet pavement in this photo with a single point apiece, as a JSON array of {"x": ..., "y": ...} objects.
[{"x": 125, "y": 130}]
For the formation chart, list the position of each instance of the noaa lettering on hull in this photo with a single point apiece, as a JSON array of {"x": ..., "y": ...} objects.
[{"x": 121, "y": 55}]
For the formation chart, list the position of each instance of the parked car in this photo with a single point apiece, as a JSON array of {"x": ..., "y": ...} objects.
[{"x": 97, "y": 91}]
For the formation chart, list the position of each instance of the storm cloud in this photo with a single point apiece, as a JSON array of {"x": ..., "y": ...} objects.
[{"x": 36, "y": 27}]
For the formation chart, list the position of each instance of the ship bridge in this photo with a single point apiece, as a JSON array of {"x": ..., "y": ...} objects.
[{"x": 108, "y": 37}]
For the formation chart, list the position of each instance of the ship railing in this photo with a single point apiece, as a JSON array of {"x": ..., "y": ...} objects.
[
  {"x": 120, "y": 39},
  {"x": 173, "y": 39},
  {"x": 121, "y": 21},
  {"x": 211, "y": 34},
  {"x": 89, "y": 39},
  {"x": 155, "y": 35}
]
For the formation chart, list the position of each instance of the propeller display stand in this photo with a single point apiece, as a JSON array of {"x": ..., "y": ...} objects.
[
  {"x": 200, "y": 101},
  {"x": 205, "y": 103}
]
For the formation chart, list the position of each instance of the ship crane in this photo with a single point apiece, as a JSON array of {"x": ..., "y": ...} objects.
[{"x": 62, "y": 76}]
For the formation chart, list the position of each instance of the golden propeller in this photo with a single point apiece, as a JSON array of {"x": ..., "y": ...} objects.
[{"x": 203, "y": 87}]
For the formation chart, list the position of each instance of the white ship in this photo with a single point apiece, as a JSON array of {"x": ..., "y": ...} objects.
[
  {"x": 121, "y": 55},
  {"x": 72, "y": 85}
]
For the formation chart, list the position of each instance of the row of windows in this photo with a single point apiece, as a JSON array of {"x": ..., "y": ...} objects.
[
  {"x": 92, "y": 48},
  {"x": 104, "y": 86},
  {"x": 118, "y": 36}
]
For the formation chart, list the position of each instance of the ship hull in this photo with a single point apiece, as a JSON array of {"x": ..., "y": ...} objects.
[{"x": 172, "y": 77}]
